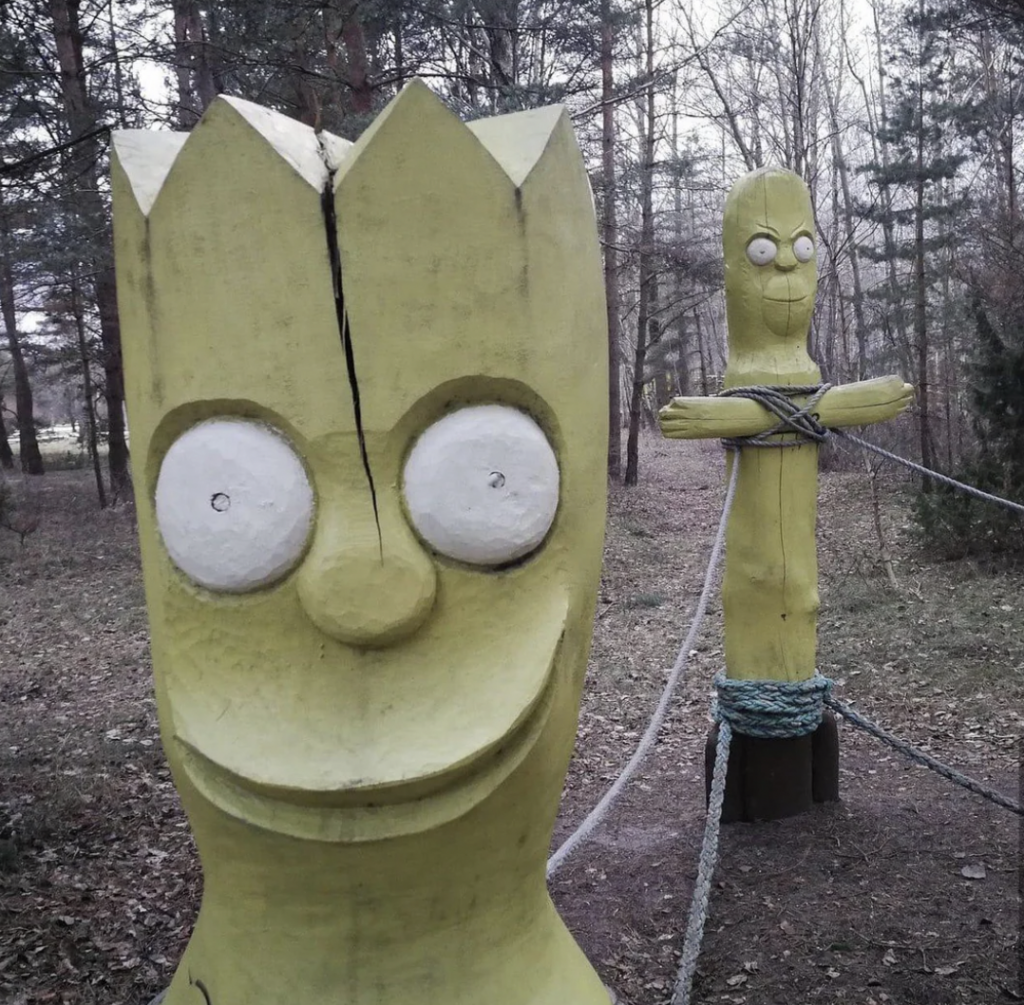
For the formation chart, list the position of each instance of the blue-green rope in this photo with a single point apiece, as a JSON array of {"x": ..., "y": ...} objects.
[
  {"x": 926, "y": 760},
  {"x": 771, "y": 708}
]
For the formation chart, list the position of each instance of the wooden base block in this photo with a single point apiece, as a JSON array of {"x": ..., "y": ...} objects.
[
  {"x": 773, "y": 779},
  {"x": 825, "y": 760}
]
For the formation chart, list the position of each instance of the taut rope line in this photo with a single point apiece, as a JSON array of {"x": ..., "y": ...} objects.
[
  {"x": 920, "y": 757},
  {"x": 928, "y": 473},
  {"x": 598, "y": 813}
]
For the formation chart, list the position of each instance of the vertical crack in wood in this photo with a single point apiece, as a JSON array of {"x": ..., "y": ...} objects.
[
  {"x": 344, "y": 331},
  {"x": 200, "y": 987}
]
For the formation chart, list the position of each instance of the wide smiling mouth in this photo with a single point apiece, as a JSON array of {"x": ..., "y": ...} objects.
[
  {"x": 380, "y": 811},
  {"x": 786, "y": 300}
]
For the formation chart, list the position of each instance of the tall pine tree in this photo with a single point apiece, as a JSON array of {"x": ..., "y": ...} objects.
[{"x": 914, "y": 190}]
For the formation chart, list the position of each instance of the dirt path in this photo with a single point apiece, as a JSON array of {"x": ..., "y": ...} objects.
[{"x": 863, "y": 902}]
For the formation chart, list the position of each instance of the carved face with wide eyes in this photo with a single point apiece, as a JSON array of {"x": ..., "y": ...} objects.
[
  {"x": 249, "y": 517},
  {"x": 370, "y": 500},
  {"x": 771, "y": 272}
]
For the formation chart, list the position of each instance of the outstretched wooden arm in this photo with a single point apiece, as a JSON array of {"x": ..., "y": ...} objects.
[{"x": 860, "y": 404}]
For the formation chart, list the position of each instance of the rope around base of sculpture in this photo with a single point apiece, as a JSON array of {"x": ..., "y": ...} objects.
[
  {"x": 920, "y": 757},
  {"x": 778, "y": 709},
  {"x": 771, "y": 708},
  {"x": 598, "y": 813}
]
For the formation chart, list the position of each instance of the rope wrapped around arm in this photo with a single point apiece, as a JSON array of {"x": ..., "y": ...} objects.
[{"x": 793, "y": 417}]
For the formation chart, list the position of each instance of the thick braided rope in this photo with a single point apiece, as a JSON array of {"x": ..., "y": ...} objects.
[
  {"x": 793, "y": 417},
  {"x": 921, "y": 470},
  {"x": 771, "y": 708},
  {"x": 705, "y": 871},
  {"x": 920, "y": 757},
  {"x": 597, "y": 814}
]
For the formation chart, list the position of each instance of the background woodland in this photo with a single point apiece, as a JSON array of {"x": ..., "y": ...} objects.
[{"x": 902, "y": 118}]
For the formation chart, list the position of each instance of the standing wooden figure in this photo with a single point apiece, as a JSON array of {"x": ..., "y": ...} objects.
[{"x": 770, "y": 587}]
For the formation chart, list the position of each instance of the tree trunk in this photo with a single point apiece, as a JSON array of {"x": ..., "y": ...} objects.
[
  {"x": 194, "y": 74},
  {"x": 92, "y": 439},
  {"x": 304, "y": 94},
  {"x": 705, "y": 384},
  {"x": 921, "y": 293},
  {"x": 115, "y": 55},
  {"x": 680, "y": 284},
  {"x": 1009, "y": 154},
  {"x": 610, "y": 237},
  {"x": 884, "y": 190},
  {"x": 83, "y": 179},
  {"x": 947, "y": 378},
  {"x": 188, "y": 106},
  {"x": 839, "y": 157},
  {"x": 354, "y": 39},
  {"x": 6, "y": 454},
  {"x": 31, "y": 458},
  {"x": 113, "y": 387},
  {"x": 399, "y": 44},
  {"x": 648, "y": 280}
]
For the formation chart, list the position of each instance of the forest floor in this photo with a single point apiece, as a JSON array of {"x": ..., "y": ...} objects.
[{"x": 903, "y": 893}]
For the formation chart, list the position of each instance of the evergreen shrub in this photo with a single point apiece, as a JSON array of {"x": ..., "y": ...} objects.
[{"x": 951, "y": 523}]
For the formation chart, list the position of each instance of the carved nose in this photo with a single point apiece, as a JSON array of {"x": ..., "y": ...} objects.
[
  {"x": 785, "y": 260},
  {"x": 361, "y": 593}
]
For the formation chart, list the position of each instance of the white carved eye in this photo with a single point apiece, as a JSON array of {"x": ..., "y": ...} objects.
[
  {"x": 762, "y": 250},
  {"x": 233, "y": 505},
  {"x": 803, "y": 248},
  {"x": 481, "y": 485}
]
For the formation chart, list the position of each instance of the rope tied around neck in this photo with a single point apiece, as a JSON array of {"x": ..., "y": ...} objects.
[
  {"x": 771, "y": 708},
  {"x": 793, "y": 417}
]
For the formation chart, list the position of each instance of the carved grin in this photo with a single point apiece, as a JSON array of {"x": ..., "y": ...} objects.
[{"x": 381, "y": 811}]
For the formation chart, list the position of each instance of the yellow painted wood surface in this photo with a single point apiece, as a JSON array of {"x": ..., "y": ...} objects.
[
  {"x": 770, "y": 585},
  {"x": 372, "y": 811},
  {"x": 859, "y": 404}
]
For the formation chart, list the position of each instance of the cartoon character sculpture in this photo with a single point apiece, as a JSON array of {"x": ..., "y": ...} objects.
[
  {"x": 366, "y": 399},
  {"x": 770, "y": 586}
]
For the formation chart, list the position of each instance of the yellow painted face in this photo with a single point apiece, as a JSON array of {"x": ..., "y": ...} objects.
[
  {"x": 366, "y": 391},
  {"x": 770, "y": 259}
]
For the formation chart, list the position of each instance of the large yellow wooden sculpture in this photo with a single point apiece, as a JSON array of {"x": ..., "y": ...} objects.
[
  {"x": 770, "y": 587},
  {"x": 366, "y": 399}
]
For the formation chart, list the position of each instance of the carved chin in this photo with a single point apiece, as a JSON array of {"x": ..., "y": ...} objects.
[{"x": 787, "y": 318}]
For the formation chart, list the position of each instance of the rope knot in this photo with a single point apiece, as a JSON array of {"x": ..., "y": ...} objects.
[
  {"x": 793, "y": 417},
  {"x": 771, "y": 708}
]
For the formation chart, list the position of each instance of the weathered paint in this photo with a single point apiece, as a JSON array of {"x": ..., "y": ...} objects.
[
  {"x": 371, "y": 749},
  {"x": 770, "y": 587}
]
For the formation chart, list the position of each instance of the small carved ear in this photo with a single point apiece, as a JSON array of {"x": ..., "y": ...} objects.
[{"x": 146, "y": 157}]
